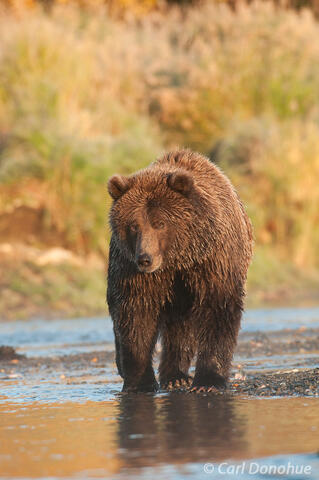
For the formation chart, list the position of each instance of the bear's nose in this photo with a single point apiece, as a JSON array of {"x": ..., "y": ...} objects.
[{"x": 144, "y": 260}]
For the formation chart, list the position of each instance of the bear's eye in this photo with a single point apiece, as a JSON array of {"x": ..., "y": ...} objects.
[
  {"x": 159, "y": 225},
  {"x": 133, "y": 228}
]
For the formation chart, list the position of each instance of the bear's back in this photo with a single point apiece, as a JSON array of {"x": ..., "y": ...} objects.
[
  {"x": 191, "y": 161},
  {"x": 208, "y": 177},
  {"x": 218, "y": 191}
]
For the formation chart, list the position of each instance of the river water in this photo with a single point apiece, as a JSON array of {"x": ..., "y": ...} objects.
[{"x": 60, "y": 420}]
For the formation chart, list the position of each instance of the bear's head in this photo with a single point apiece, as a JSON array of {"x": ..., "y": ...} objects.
[{"x": 152, "y": 217}]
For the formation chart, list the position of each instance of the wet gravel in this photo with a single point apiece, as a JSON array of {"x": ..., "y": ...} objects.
[
  {"x": 258, "y": 382},
  {"x": 280, "y": 384},
  {"x": 302, "y": 340}
]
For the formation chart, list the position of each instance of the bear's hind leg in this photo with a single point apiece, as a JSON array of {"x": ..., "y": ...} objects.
[
  {"x": 216, "y": 345},
  {"x": 177, "y": 354}
]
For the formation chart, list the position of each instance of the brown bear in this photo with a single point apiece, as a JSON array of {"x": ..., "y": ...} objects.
[{"x": 179, "y": 253}]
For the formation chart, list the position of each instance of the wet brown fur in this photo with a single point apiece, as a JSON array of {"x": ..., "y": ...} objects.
[{"x": 183, "y": 213}]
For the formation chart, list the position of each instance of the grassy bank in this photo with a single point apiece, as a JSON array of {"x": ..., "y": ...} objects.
[
  {"x": 50, "y": 283},
  {"x": 57, "y": 283},
  {"x": 240, "y": 86}
]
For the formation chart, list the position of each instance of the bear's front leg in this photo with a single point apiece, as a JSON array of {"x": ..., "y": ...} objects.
[
  {"x": 118, "y": 360},
  {"x": 210, "y": 374},
  {"x": 136, "y": 350},
  {"x": 216, "y": 344}
]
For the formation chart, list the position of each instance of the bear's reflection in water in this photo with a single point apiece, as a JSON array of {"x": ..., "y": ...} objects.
[{"x": 178, "y": 428}]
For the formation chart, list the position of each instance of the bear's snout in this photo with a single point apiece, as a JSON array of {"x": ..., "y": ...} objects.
[
  {"x": 147, "y": 254},
  {"x": 147, "y": 263},
  {"x": 144, "y": 260}
]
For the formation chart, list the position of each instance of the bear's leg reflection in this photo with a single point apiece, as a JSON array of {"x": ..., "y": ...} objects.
[{"x": 179, "y": 428}]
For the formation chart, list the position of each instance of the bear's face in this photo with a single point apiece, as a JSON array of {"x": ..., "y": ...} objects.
[
  {"x": 148, "y": 216},
  {"x": 146, "y": 236}
]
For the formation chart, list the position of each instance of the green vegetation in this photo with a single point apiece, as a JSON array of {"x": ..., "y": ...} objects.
[
  {"x": 89, "y": 95},
  {"x": 29, "y": 290}
]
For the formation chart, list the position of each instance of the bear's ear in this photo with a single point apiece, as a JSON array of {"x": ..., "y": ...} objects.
[
  {"x": 117, "y": 185},
  {"x": 181, "y": 182}
]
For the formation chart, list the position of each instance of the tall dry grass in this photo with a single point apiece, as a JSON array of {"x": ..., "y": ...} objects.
[
  {"x": 88, "y": 95},
  {"x": 276, "y": 168},
  {"x": 63, "y": 123}
]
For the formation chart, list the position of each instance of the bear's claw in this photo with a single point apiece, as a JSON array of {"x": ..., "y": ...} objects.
[
  {"x": 178, "y": 383},
  {"x": 203, "y": 389}
]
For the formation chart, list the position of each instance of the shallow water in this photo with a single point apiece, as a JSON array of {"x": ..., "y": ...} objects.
[
  {"x": 70, "y": 420},
  {"x": 158, "y": 436},
  {"x": 38, "y": 337}
]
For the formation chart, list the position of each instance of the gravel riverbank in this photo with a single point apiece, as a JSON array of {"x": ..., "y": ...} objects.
[{"x": 295, "y": 371}]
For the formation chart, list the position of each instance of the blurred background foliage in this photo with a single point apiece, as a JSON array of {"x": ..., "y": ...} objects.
[
  {"x": 89, "y": 88},
  {"x": 142, "y": 7}
]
